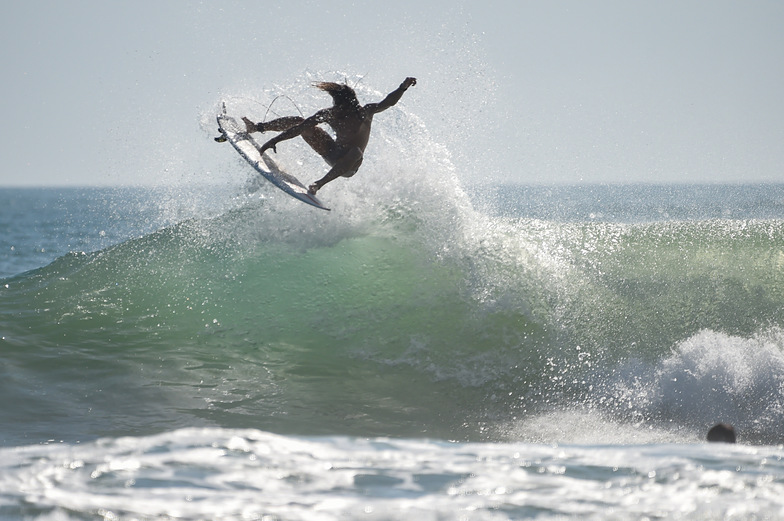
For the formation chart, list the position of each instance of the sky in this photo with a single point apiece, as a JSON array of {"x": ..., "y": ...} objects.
[{"x": 117, "y": 93}]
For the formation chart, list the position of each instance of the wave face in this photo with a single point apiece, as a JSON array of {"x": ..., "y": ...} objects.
[{"x": 405, "y": 312}]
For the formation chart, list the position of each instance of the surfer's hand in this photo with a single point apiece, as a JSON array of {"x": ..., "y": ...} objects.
[
  {"x": 408, "y": 82},
  {"x": 267, "y": 146}
]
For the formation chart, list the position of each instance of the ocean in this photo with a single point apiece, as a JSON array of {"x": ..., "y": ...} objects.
[{"x": 429, "y": 349}]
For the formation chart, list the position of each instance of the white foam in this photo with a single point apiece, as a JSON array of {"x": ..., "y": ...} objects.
[
  {"x": 587, "y": 427},
  {"x": 711, "y": 377},
  {"x": 242, "y": 474}
]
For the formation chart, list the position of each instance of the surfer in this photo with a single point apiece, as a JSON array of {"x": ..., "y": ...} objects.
[{"x": 350, "y": 121}]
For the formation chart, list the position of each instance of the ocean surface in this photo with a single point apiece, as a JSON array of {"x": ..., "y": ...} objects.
[{"x": 427, "y": 350}]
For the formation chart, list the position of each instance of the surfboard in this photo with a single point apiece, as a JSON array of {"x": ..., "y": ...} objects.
[{"x": 234, "y": 132}]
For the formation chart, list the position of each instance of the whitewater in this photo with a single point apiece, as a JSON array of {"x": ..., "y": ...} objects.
[{"x": 427, "y": 350}]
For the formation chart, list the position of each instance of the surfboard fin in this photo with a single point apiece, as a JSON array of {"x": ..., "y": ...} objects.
[{"x": 222, "y": 137}]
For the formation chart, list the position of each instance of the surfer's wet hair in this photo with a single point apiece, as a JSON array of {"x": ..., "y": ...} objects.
[{"x": 342, "y": 94}]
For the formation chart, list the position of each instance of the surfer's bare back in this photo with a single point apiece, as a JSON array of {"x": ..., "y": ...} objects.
[{"x": 350, "y": 121}]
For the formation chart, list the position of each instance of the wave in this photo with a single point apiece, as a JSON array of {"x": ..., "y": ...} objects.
[
  {"x": 328, "y": 326},
  {"x": 276, "y": 317}
]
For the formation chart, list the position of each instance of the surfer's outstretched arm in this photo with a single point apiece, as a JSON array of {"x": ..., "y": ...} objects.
[{"x": 392, "y": 98}]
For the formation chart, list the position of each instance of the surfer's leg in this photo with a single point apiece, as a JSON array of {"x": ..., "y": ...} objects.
[
  {"x": 346, "y": 166},
  {"x": 275, "y": 125},
  {"x": 281, "y": 124},
  {"x": 320, "y": 141},
  {"x": 318, "y": 138}
]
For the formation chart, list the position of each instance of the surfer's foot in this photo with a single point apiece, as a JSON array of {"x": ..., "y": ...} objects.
[
  {"x": 312, "y": 189},
  {"x": 221, "y": 138},
  {"x": 253, "y": 127}
]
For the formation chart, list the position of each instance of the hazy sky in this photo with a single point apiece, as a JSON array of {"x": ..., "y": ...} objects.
[{"x": 551, "y": 91}]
